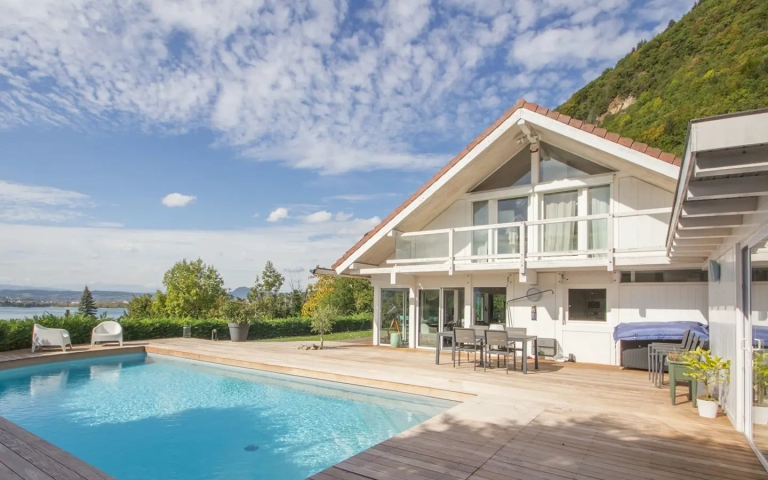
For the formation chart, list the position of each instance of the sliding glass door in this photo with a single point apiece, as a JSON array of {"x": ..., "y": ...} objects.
[
  {"x": 394, "y": 315},
  {"x": 756, "y": 275},
  {"x": 429, "y": 317}
]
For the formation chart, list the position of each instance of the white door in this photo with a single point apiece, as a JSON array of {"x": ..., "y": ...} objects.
[{"x": 586, "y": 334}]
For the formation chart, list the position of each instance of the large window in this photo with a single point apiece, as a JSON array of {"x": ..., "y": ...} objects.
[
  {"x": 561, "y": 237},
  {"x": 480, "y": 216},
  {"x": 490, "y": 305},
  {"x": 511, "y": 210},
  {"x": 559, "y": 164},
  {"x": 587, "y": 304},
  {"x": 599, "y": 203}
]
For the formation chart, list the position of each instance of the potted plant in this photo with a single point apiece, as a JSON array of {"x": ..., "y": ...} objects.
[
  {"x": 239, "y": 313},
  {"x": 712, "y": 371},
  {"x": 760, "y": 385}
]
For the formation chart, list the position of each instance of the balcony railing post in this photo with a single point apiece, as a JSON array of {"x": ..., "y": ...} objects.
[
  {"x": 451, "y": 253},
  {"x": 522, "y": 247},
  {"x": 610, "y": 242}
]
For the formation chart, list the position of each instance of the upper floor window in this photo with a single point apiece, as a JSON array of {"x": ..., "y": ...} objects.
[{"x": 559, "y": 164}]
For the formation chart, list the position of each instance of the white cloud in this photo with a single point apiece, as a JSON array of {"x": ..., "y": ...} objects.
[
  {"x": 326, "y": 85},
  {"x": 278, "y": 214},
  {"x": 177, "y": 200},
  {"x": 106, "y": 224},
  {"x": 255, "y": 215},
  {"x": 362, "y": 197},
  {"x": 318, "y": 217},
  {"x": 341, "y": 216},
  {"x": 32, "y": 203},
  {"x": 72, "y": 256}
]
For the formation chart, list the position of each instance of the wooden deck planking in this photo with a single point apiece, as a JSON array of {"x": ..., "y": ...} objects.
[{"x": 566, "y": 421}]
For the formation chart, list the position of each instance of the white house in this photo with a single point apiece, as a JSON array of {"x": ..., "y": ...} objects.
[
  {"x": 617, "y": 231},
  {"x": 545, "y": 202}
]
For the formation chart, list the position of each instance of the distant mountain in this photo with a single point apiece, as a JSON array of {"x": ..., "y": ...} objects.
[
  {"x": 713, "y": 61},
  {"x": 40, "y": 295},
  {"x": 240, "y": 292},
  {"x": 22, "y": 287}
]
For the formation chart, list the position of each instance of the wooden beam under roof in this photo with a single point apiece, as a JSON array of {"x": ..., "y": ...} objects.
[
  {"x": 711, "y": 208},
  {"x": 711, "y": 222},
  {"x": 709, "y": 233},
  {"x": 726, "y": 188},
  {"x": 687, "y": 242},
  {"x": 732, "y": 162}
]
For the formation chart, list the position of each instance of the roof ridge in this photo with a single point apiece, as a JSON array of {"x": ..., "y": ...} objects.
[
  {"x": 520, "y": 103},
  {"x": 603, "y": 133}
]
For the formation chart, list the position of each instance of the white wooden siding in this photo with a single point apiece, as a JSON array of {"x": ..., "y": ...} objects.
[
  {"x": 725, "y": 331},
  {"x": 663, "y": 302},
  {"x": 642, "y": 231}
]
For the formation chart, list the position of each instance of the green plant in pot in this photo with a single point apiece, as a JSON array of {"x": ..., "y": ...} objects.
[
  {"x": 239, "y": 314},
  {"x": 760, "y": 386},
  {"x": 713, "y": 372}
]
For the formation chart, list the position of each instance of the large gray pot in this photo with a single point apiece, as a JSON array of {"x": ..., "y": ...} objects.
[{"x": 238, "y": 332}]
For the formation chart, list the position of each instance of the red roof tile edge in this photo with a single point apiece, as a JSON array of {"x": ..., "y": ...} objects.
[{"x": 521, "y": 103}]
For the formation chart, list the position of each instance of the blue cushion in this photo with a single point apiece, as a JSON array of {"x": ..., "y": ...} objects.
[{"x": 657, "y": 331}]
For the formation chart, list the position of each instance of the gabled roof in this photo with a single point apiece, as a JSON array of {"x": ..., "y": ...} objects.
[{"x": 520, "y": 104}]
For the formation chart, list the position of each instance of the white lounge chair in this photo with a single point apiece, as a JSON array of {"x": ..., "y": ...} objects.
[
  {"x": 50, "y": 337},
  {"x": 108, "y": 331}
]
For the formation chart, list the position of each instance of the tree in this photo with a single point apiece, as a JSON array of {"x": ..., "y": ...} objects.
[
  {"x": 238, "y": 310},
  {"x": 322, "y": 320},
  {"x": 140, "y": 306},
  {"x": 87, "y": 307},
  {"x": 317, "y": 294},
  {"x": 347, "y": 295},
  {"x": 192, "y": 289},
  {"x": 265, "y": 291},
  {"x": 296, "y": 297}
]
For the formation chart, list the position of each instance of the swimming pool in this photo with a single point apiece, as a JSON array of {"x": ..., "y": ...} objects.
[{"x": 152, "y": 416}]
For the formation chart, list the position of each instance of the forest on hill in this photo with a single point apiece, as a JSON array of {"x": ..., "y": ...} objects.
[{"x": 711, "y": 62}]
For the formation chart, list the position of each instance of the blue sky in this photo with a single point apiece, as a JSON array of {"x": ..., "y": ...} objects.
[{"x": 244, "y": 131}]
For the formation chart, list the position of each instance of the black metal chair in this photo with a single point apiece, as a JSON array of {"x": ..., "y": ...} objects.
[
  {"x": 497, "y": 343},
  {"x": 694, "y": 342},
  {"x": 657, "y": 350},
  {"x": 464, "y": 340}
]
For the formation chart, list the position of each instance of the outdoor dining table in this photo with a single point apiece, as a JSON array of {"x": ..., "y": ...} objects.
[{"x": 524, "y": 339}]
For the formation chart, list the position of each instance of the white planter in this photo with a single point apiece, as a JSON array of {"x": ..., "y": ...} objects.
[
  {"x": 760, "y": 415},
  {"x": 707, "y": 408}
]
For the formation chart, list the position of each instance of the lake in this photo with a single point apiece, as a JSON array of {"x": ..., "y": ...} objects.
[{"x": 7, "y": 313}]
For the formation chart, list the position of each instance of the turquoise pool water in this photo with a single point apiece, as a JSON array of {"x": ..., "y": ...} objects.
[{"x": 154, "y": 417}]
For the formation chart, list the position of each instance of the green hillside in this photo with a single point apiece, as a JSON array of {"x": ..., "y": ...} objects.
[{"x": 713, "y": 61}]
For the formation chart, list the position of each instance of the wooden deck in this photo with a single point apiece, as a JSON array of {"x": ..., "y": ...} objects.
[{"x": 566, "y": 421}]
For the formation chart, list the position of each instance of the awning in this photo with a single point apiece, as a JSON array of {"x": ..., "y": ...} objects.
[{"x": 723, "y": 175}]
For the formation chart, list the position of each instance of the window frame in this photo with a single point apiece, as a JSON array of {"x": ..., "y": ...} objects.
[{"x": 603, "y": 321}]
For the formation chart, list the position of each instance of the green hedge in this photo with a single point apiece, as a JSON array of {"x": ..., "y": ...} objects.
[{"x": 17, "y": 334}]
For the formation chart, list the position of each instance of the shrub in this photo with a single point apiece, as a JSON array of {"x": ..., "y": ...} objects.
[
  {"x": 323, "y": 319},
  {"x": 17, "y": 334}
]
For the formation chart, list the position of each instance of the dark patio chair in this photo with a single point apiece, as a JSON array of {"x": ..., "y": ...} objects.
[
  {"x": 657, "y": 353},
  {"x": 694, "y": 342},
  {"x": 497, "y": 343},
  {"x": 464, "y": 340}
]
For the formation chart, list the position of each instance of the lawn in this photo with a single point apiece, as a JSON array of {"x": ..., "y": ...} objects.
[{"x": 316, "y": 338}]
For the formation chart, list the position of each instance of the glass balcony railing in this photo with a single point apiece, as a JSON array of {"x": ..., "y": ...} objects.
[{"x": 586, "y": 237}]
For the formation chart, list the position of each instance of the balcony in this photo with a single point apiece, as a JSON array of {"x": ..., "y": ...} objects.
[{"x": 582, "y": 241}]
